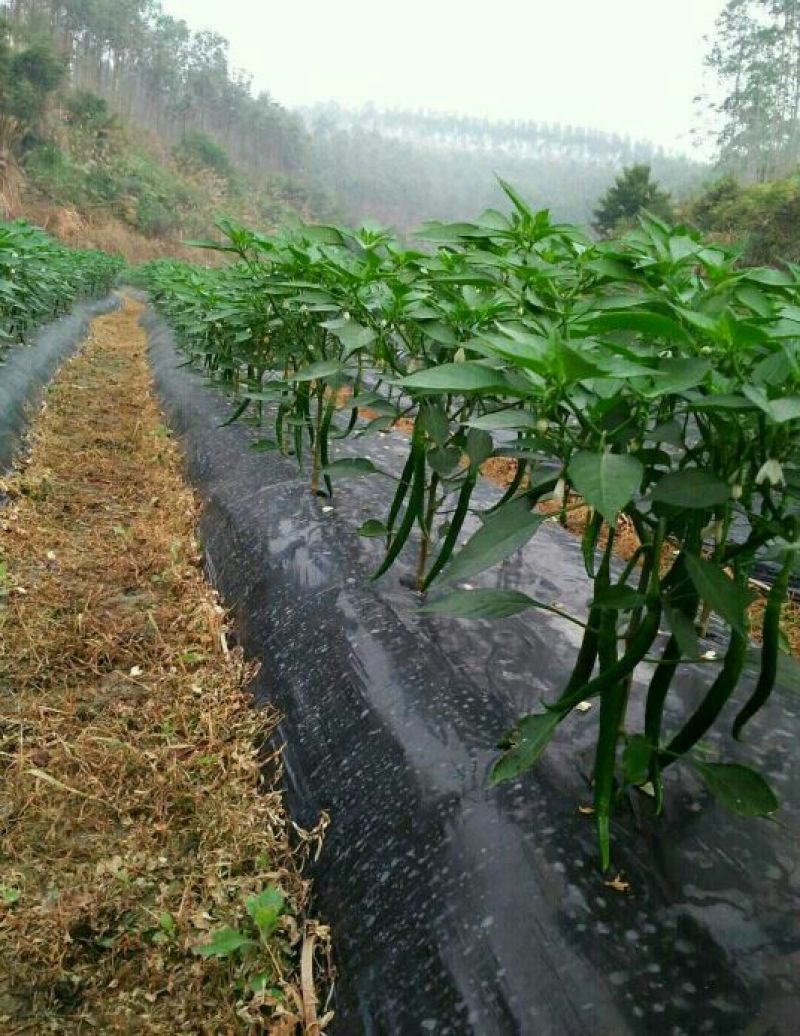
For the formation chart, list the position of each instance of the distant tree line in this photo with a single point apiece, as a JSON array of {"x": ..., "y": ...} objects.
[
  {"x": 519, "y": 137},
  {"x": 404, "y": 167}
]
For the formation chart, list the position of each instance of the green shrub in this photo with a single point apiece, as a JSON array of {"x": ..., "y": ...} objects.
[
  {"x": 87, "y": 111},
  {"x": 763, "y": 217},
  {"x": 49, "y": 170},
  {"x": 197, "y": 150},
  {"x": 154, "y": 218}
]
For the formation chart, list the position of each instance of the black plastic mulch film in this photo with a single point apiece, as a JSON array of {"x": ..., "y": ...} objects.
[
  {"x": 26, "y": 369},
  {"x": 457, "y": 908}
]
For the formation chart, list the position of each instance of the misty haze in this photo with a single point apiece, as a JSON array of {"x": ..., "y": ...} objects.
[{"x": 400, "y": 517}]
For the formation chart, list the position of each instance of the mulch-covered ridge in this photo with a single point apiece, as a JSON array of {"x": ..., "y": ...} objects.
[{"x": 135, "y": 820}]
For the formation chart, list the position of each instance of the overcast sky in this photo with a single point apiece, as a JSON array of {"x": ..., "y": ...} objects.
[{"x": 627, "y": 65}]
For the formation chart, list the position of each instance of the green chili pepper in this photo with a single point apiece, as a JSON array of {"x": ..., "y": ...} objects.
[
  {"x": 402, "y": 488},
  {"x": 457, "y": 522},
  {"x": 713, "y": 703},
  {"x": 637, "y": 649},
  {"x": 413, "y": 510},
  {"x": 612, "y": 708},
  {"x": 770, "y": 645},
  {"x": 516, "y": 482}
]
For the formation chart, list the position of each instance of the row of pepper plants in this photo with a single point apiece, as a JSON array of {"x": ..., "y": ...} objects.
[
  {"x": 652, "y": 377},
  {"x": 40, "y": 279}
]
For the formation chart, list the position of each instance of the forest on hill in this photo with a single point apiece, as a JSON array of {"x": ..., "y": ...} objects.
[
  {"x": 180, "y": 92},
  {"x": 406, "y": 166},
  {"x": 116, "y": 111},
  {"x": 123, "y": 129}
]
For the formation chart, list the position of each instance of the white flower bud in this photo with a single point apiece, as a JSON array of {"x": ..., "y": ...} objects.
[
  {"x": 706, "y": 350},
  {"x": 346, "y": 315},
  {"x": 771, "y": 473},
  {"x": 542, "y": 426},
  {"x": 460, "y": 355},
  {"x": 713, "y": 531},
  {"x": 736, "y": 491}
]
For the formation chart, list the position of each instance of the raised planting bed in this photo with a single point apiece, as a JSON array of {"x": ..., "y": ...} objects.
[
  {"x": 457, "y": 907},
  {"x": 27, "y": 367}
]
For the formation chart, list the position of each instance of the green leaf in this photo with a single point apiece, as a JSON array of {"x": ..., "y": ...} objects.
[
  {"x": 266, "y": 909},
  {"x": 504, "y": 532},
  {"x": 9, "y": 895},
  {"x": 479, "y": 446},
  {"x": 224, "y": 943},
  {"x": 606, "y": 481},
  {"x": 372, "y": 528},
  {"x": 683, "y": 629},
  {"x": 349, "y": 467},
  {"x": 377, "y": 424},
  {"x": 458, "y": 377},
  {"x": 719, "y": 591},
  {"x": 779, "y": 410},
  {"x": 677, "y": 375},
  {"x": 320, "y": 371},
  {"x": 264, "y": 446},
  {"x": 653, "y": 325},
  {"x": 502, "y": 419},
  {"x": 669, "y": 432},
  {"x": 480, "y": 604},
  {"x": 769, "y": 276},
  {"x": 439, "y": 332},
  {"x": 690, "y": 488},
  {"x": 530, "y": 738},
  {"x": 435, "y": 422},
  {"x": 738, "y": 788},
  {"x": 636, "y": 759},
  {"x": 351, "y": 334},
  {"x": 444, "y": 460}
]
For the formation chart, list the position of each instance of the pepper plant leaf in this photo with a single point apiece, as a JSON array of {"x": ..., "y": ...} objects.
[
  {"x": 606, "y": 481},
  {"x": 726, "y": 597},
  {"x": 530, "y": 738},
  {"x": 480, "y": 604},
  {"x": 504, "y": 532},
  {"x": 690, "y": 488},
  {"x": 738, "y": 788}
]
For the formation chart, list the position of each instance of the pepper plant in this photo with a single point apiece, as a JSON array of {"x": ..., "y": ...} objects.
[
  {"x": 41, "y": 278},
  {"x": 653, "y": 379}
]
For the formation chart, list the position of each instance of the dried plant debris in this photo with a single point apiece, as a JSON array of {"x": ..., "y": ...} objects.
[{"x": 150, "y": 880}]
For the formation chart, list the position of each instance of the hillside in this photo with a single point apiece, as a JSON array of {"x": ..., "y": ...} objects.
[
  {"x": 121, "y": 128},
  {"x": 104, "y": 149},
  {"x": 137, "y": 132},
  {"x": 97, "y": 181}
]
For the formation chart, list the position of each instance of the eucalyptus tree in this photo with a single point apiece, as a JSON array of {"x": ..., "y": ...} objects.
[
  {"x": 154, "y": 69},
  {"x": 755, "y": 56}
]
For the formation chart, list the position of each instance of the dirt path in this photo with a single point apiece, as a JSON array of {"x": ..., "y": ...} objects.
[{"x": 131, "y": 828}]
